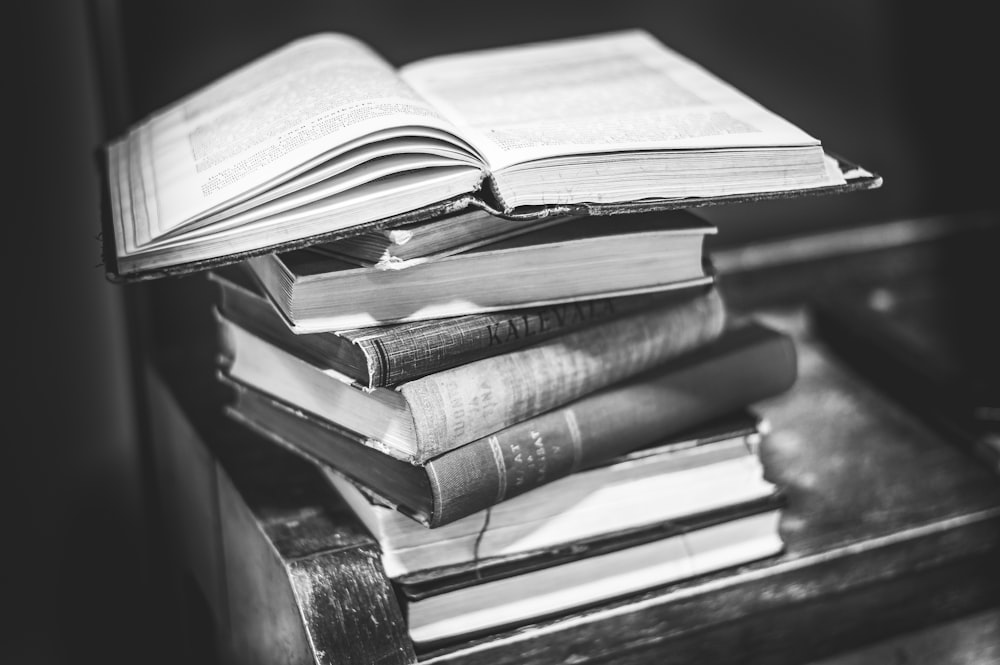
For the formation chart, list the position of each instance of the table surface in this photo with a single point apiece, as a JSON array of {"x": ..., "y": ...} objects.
[{"x": 970, "y": 640}]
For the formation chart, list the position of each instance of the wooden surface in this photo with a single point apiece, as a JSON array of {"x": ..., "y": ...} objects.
[
  {"x": 971, "y": 640},
  {"x": 889, "y": 527}
]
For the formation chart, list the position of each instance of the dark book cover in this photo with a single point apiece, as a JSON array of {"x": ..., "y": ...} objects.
[
  {"x": 389, "y": 355},
  {"x": 749, "y": 363}
]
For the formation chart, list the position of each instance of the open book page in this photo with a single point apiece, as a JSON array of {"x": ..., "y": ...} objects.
[
  {"x": 376, "y": 200},
  {"x": 281, "y": 115},
  {"x": 324, "y": 191},
  {"x": 614, "y": 92},
  {"x": 418, "y": 144}
]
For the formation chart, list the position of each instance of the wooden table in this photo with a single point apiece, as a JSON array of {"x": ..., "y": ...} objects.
[{"x": 889, "y": 527}]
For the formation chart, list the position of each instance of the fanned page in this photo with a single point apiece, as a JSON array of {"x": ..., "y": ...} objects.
[
  {"x": 574, "y": 102},
  {"x": 323, "y": 136},
  {"x": 296, "y": 130}
]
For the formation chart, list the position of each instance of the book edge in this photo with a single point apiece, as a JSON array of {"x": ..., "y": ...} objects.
[{"x": 113, "y": 270}]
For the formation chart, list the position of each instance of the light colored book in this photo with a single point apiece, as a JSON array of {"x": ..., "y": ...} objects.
[
  {"x": 514, "y": 600},
  {"x": 709, "y": 469},
  {"x": 580, "y": 260},
  {"x": 323, "y": 138},
  {"x": 410, "y": 245}
]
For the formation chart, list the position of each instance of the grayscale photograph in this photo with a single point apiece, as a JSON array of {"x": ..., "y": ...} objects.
[{"x": 528, "y": 333}]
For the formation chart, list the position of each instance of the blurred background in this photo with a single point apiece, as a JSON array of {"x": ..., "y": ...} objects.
[{"x": 903, "y": 89}]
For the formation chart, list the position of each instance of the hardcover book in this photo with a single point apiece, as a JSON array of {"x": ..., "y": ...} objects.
[
  {"x": 393, "y": 354},
  {"x": 425, "y": 417},
  {"x": 710, "y": 467},
  {"x": 585, "y": 574},
  {"x": 745, "y": 365},
  {"x": 579, "y": 260},
  {"x": 323, "y": 139}
]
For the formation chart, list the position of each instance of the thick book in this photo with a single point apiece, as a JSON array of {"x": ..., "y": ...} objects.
[
  {"x": 323, "y": 138},
  {"x": 579, "y": 260},
  {"x": 401, "y": 497},
  {"x": 389, "y": 355},
  {"x": 707, "y": 468},
  {"x": 747, "y": 364},
  {"x": 425, "y": 417},
  {"x": 586, "y": 574}
]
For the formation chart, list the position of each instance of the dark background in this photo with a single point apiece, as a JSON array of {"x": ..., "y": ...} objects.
[{"x": 904, "y": 89}]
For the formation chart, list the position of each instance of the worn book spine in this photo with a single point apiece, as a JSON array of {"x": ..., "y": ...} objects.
[
  {"x": 748, "y": 364},
  {"x": 398, "y": 354},
  {"x": 468, "y": 402},
  {"x": 391, "y": 355}
]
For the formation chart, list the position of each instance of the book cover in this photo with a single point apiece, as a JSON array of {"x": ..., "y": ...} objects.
[
  {"x": 706, "y": 468},
  {"x": 656, "y": 558},
  {"x": 389, "y": 355},
  {"x": 746, "y": 365},
  {"x": 731, "y": 507},
  {"x": 670, "y": 480},
  {"x": 322, "y": 139},
  {"x": 423, "y": 418},
  {"x": 580, "y": 260}
]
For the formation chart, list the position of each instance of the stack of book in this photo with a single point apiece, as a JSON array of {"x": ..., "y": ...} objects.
[
  {"x": 561, "y": 455},
  {"x": 474, "y": 292}
]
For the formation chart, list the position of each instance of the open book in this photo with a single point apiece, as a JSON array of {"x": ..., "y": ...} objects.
[{"x": 323, "y": 138}]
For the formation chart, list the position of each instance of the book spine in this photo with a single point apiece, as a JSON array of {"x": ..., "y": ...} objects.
[
  {"x": 411, "y": 351},
  {"x": 754, "y": 365},
  {"x": 468, "y": 402}
]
